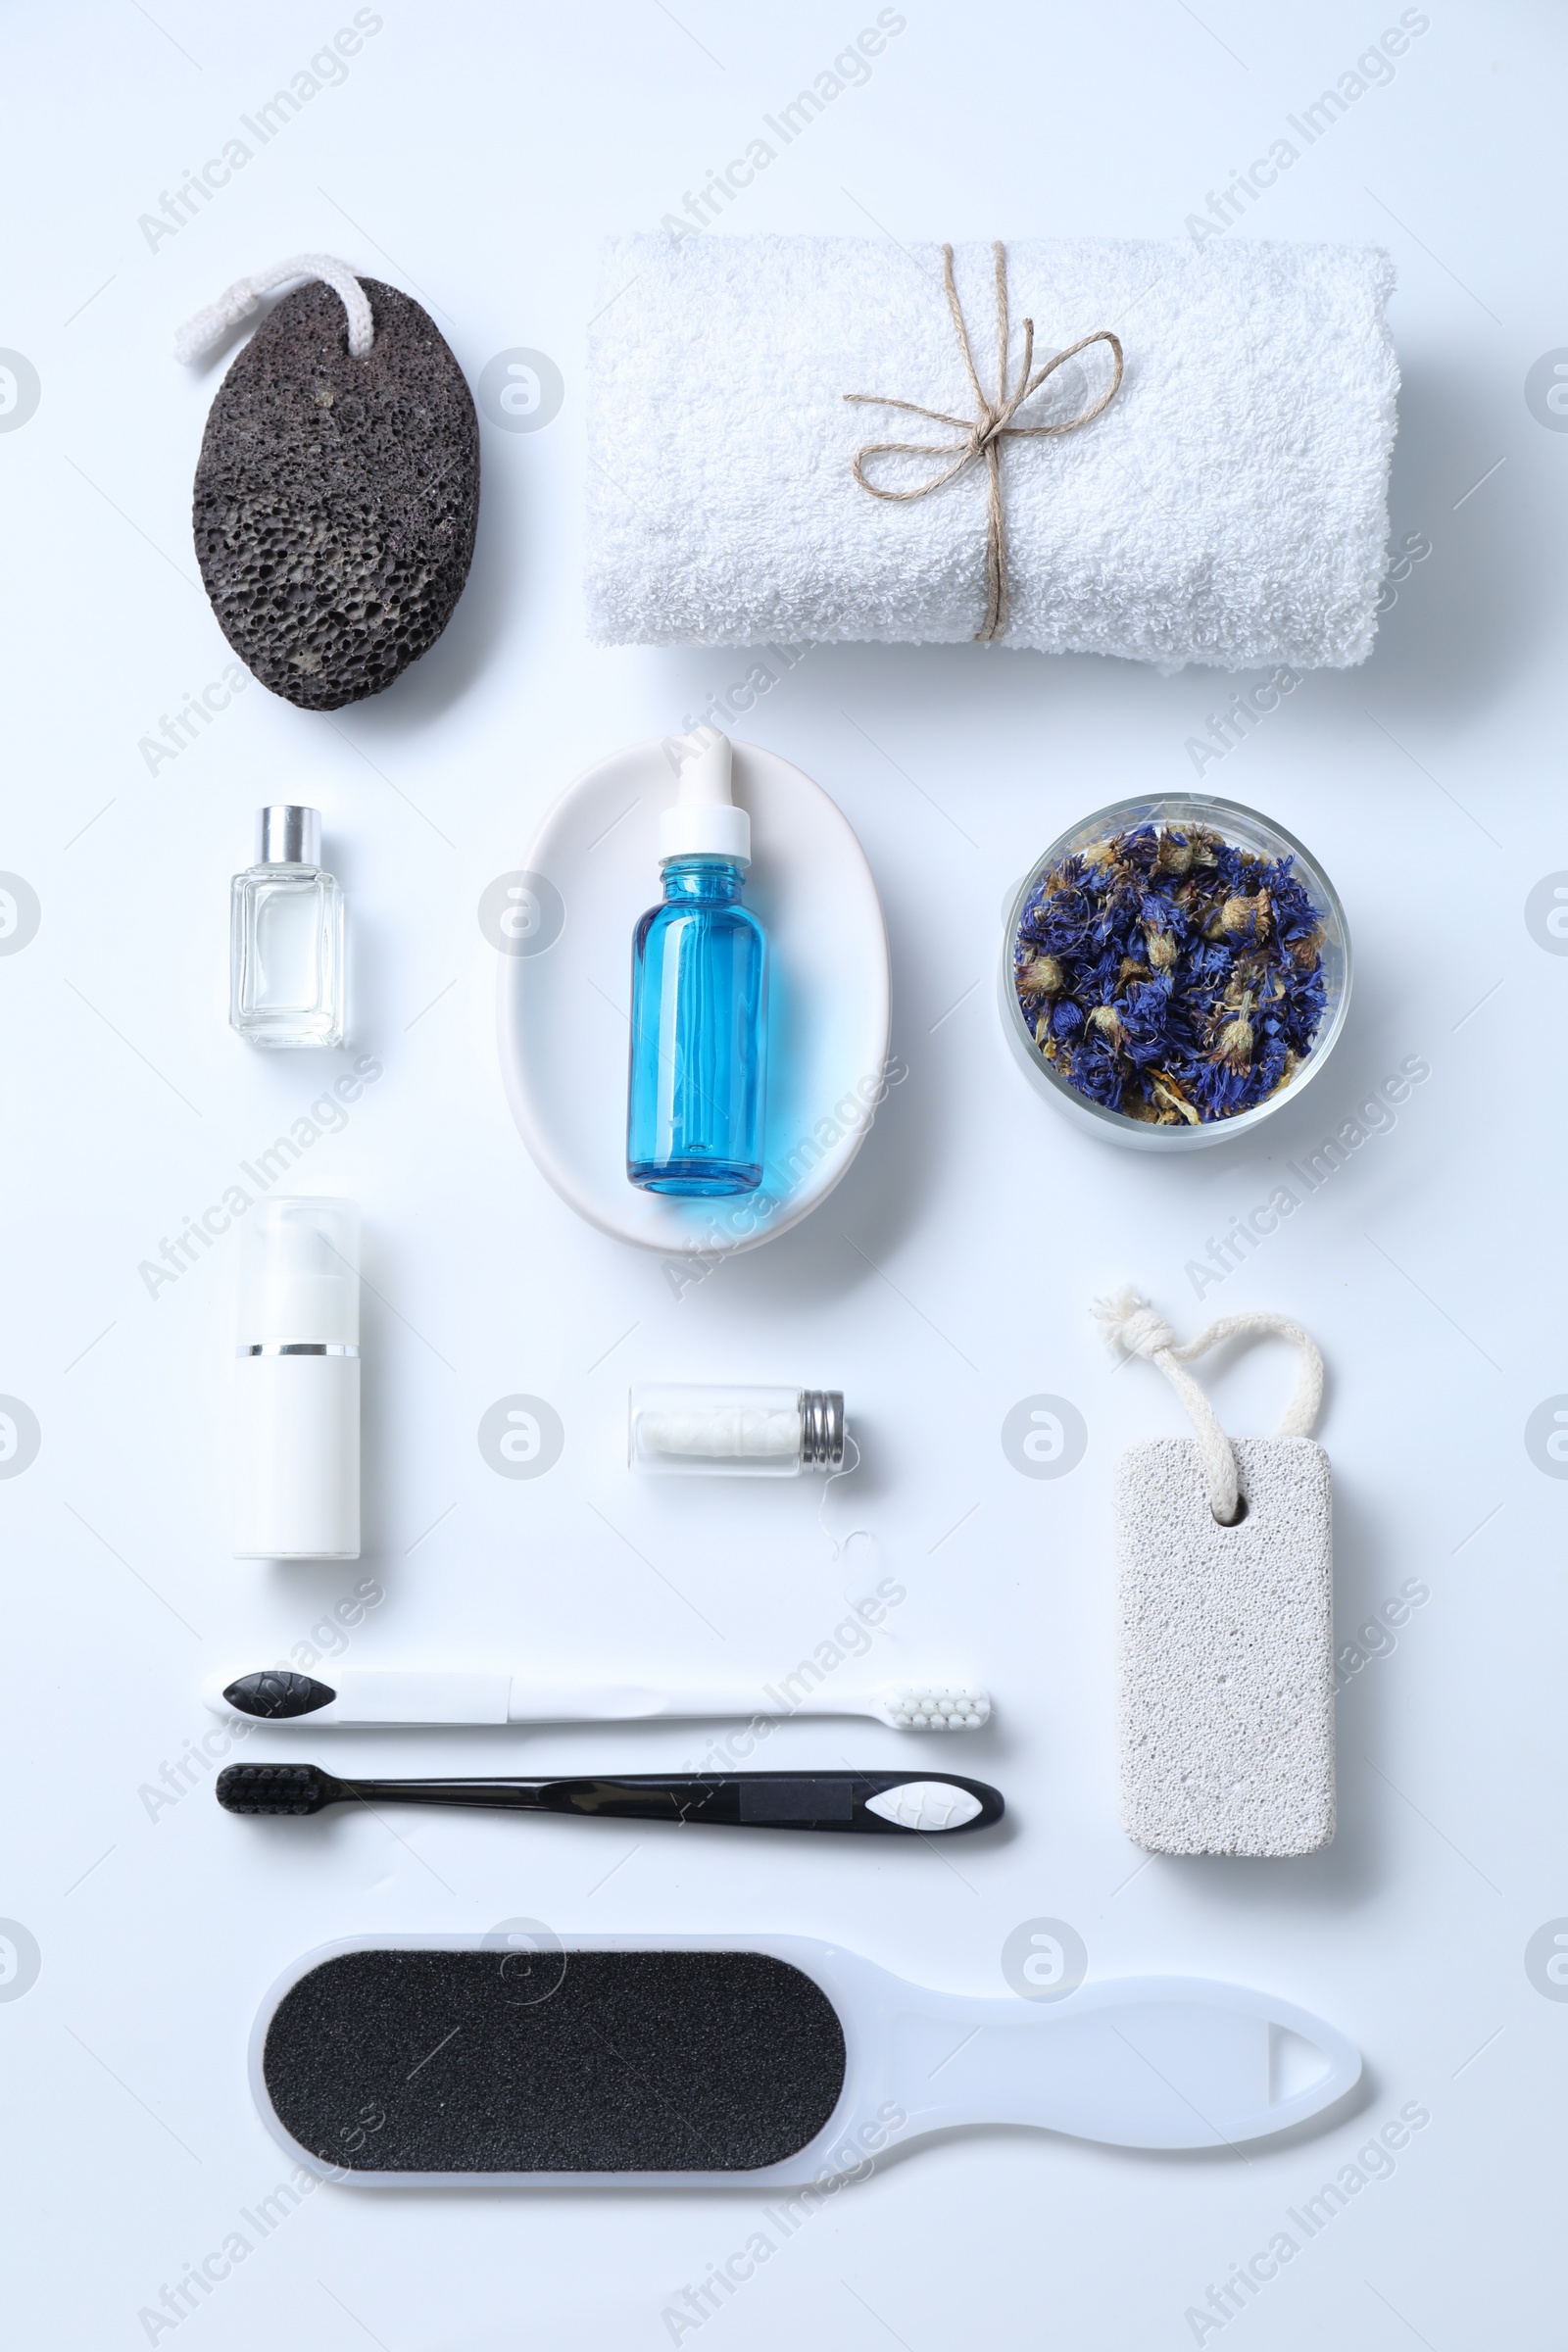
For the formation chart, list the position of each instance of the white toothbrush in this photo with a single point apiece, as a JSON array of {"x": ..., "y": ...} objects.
[{"x": 362, "y": 1697}]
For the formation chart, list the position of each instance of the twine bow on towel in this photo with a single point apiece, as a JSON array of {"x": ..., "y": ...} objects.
[{"x": 985, "y": 432}]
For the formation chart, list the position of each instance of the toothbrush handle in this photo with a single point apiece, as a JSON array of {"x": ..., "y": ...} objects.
[
  {"x": 366, "y": 1696},
  {"x": 764, "y": 1800},
  {"x": 624, "y": 1702}
]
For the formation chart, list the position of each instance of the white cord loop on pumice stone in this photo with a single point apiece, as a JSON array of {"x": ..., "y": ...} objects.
[
  {"x": 201, "y": 333},
  {"x": 1130, "y": 1323}
]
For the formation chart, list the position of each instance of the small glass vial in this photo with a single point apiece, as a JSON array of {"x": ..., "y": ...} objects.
[
  {"x": 679, "y": 1430},
  {"x": 287, "y": 937}
]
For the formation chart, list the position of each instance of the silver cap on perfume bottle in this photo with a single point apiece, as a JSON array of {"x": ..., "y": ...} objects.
[{"x": 288, "y": 836}]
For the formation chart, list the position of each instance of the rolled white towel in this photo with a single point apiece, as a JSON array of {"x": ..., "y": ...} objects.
[{"x": 1229, "y": 507}]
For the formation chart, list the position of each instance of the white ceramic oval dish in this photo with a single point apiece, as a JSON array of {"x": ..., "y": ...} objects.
[
  {"x": 563, "y": 1006},
  {"x": 1249, "y": 831}
]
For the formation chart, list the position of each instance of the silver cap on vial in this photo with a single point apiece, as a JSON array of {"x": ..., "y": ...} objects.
[
  {"x": 822, "y": 1429},
  {"x": 288, "y": 836}
]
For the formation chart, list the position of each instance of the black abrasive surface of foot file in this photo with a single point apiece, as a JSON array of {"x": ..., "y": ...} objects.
[{"x": 484, "y": 2061}]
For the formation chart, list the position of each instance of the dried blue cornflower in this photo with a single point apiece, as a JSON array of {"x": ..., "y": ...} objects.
[{"x": 1170, "y": 975}]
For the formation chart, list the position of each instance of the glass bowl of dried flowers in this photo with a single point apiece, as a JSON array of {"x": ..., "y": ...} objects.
[{"x": 1174, "y": 969}]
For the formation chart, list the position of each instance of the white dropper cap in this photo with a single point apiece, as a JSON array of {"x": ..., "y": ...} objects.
[
  {"x": 300, "y": 1274},
  {"x": 705, "y": 822}
]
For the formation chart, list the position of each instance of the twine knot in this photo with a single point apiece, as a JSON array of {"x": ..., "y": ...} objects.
[{"x": 985, "y": 432}]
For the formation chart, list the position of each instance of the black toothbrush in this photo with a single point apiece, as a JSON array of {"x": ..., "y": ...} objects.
[{"x": 879, "y": 1804}]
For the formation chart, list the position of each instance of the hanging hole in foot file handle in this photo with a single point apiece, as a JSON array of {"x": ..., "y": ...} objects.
[{"x": 523, "y": 2059}]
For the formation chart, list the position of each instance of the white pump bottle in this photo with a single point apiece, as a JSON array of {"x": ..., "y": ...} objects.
[{"x": 297, "y": 1383}]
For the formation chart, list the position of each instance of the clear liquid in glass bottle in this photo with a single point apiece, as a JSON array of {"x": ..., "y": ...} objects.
[{"x": 287, "y": 937}]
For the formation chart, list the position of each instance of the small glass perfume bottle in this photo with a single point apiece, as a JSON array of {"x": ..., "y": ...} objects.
[
  {"x": 696, "y": 1092},
  {"x": 287, "y": 937},
  {"x": 674, "y": 1429}
]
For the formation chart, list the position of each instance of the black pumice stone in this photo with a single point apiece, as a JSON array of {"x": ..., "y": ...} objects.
[
  {"x": 336, "y": 499},
  {"x": 577, "y": 2062}
]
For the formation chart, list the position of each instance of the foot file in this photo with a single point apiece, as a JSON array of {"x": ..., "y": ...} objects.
[{"x": 694, "y": 2061}]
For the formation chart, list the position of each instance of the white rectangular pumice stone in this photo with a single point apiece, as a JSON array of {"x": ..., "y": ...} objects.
[{"x": 1225, "y": 1651}]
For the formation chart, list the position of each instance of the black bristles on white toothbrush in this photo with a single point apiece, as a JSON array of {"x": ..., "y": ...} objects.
[{"x": 878, "y": 1804}]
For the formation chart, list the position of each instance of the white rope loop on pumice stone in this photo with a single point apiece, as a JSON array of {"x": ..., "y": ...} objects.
[
  {"x": 1130, "y": 1323},
  {"x": 203, "y": 332}
]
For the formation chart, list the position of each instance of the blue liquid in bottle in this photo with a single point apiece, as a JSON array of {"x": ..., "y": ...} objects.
[{"x": 697, "y": 1094}]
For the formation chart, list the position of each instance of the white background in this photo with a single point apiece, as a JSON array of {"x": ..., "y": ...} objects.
[{"x": 474, "y": 156}]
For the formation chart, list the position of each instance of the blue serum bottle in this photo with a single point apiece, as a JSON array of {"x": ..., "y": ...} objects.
[{"x": 696, "y": 1096}]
